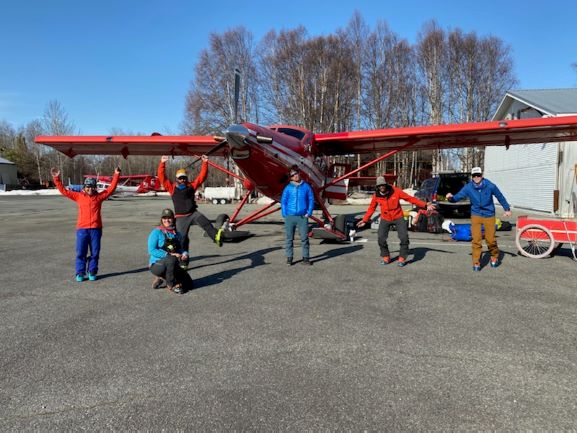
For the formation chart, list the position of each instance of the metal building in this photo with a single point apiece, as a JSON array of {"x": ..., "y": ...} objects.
[
  {"x": 8, "y": 173},
  {"x": 537, "y": 177}
]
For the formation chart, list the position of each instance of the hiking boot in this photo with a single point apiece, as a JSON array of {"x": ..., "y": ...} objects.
[
  {"x": 289, "y": 261},
  {"x": 476, "y": 267},
  {"x": 91, "y": 277},
  {"x": 178, "y": 289},
  {"x": 218, "y": 237},
  {"x": 306, "y": 261},
  {"x": 80, "y": 277},
  {"x": 157, "y": 283},
  {"x": 402, "y": 262},
  {"x": 385, "y": 261},
  {"x": 495, "y": 262}
]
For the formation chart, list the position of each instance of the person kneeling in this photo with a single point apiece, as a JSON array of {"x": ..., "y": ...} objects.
[{"x": 165, "y": 249}]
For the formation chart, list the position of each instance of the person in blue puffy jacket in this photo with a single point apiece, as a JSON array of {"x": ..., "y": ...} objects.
[
  {"x": 297, "y": 204},
  {"x": 481, "y": 192}
]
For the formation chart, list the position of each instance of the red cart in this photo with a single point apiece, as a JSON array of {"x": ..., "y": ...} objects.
[{"x": 537, "y": 238}]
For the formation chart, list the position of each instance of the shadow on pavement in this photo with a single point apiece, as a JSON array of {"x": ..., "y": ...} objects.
[{"x": 257, "y": 258}]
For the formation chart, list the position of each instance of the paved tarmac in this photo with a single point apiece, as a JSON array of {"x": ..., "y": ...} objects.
[{"x": 343, "y": 345}]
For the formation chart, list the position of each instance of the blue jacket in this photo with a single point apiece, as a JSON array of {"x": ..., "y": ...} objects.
[
  {"x": 156, "y": 242},
  {"x": 297, "y": 199},
  {"x": 481, "y": 197}
]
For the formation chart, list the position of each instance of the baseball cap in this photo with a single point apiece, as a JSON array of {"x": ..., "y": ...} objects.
[
  {"x": 167, "y": 213},
  {"x": 476, "y": 170}
]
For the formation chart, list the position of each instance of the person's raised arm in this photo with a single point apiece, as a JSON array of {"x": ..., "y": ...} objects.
[
  {"x": 203, "y": 173},
  {"x": 58, "y": 184},
  {"x": 161, "y": 173},
  {"x": 112, "y": 187}
]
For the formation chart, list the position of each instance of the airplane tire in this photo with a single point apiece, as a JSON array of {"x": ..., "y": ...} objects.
[{"x": 340, "y": 223}]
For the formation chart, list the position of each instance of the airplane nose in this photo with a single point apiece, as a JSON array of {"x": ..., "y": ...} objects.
[{"x": 236, "y": 136}]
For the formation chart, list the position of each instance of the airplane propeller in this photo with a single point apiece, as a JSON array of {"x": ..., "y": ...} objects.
[
  {"x": 224, "y": 141},
  {"x": 213, "y": 149}
]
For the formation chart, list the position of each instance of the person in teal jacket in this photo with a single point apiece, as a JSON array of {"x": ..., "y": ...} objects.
[
  {"x": 481, "y": 192},
  {"x": 166, "y": 251},
  {"x": 297, "y": 204}
]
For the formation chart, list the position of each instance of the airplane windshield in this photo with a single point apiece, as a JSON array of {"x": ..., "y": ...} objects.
[{"x": 292, "y": 132}]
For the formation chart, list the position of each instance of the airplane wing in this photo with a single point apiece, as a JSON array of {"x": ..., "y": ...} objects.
[
  {"x": 186, "y": 145},
  {"x": 494, "y": 133}
]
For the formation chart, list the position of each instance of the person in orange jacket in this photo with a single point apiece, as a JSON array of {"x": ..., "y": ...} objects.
[
  {"x": 185, "y": 208},
  {"x": 89, "y": 222},
  {"x": 388, "y": 197}
]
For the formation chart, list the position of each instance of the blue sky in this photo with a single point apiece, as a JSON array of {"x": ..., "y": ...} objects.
[{"x": 128, "y": 63}]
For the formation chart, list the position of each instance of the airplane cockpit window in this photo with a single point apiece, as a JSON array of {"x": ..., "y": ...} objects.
[{"x": 292, "y": 132}]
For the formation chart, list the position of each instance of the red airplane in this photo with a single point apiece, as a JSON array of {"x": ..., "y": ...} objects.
[
  {"x": 265, "y": 154},
  {"x": 133, "y": 184}
]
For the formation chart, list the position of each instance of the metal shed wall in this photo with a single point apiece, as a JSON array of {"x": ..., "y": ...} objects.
[
  {"x": 8, "y": 174},
  {"x": 525, "y": 174}
]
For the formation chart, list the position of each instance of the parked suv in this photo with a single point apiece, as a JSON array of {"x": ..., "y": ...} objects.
[{"x": 436, "y": 188}]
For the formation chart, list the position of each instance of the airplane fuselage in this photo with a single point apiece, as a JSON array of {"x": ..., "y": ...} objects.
[{"x": 266, "y": 154}]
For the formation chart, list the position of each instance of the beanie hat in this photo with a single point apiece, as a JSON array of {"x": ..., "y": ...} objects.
[{"x": 90, "y": 181}]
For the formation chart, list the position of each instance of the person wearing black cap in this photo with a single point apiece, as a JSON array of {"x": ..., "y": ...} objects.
[
  {"x": 481, "y": 192},
  {"x": 297, "y": 204},
  {"x": 89, "y": 222},
  {"x": 388, "y": 197},
  {"x": 165, "y": 246}
]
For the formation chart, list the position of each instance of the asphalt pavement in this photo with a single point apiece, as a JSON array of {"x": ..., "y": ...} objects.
[{"x": 345, "y": 344}]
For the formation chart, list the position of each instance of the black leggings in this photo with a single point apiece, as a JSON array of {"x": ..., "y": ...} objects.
[
  {"x": 183, "y": 224},
  {"x": 168, "y": 269}
]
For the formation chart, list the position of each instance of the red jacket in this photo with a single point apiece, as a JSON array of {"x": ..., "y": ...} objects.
[
  {"x": 88, "y": 205},
  {"x": 391, "y": 206}
]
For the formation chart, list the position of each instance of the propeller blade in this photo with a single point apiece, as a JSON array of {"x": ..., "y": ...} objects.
[
  {"x": 236, "y": 94},
  {"x": 211, "y": 151}
]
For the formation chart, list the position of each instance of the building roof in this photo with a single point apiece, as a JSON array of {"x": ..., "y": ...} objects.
[
  {"x": 554, "y": 102},
  {"x": 5, "y": 161}
]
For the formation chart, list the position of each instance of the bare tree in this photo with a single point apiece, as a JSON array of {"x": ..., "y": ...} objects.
[
  {"x": 55, "y": 121},
  {"x": 31, "y": 131},
  {"x": 210, "y": 101}
]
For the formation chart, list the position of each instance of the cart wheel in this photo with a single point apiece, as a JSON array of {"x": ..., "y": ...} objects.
[{"x": 535, "y": 241}]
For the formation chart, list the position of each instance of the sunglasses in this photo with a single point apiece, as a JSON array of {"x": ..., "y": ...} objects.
[
  {"x": 89, "y": 187},
  {"x": 182, "y": 178},
  {"x": 476, "y": 175}
]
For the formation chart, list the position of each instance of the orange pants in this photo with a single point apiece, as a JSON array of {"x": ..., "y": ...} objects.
[{"x": 476, "y": 243}]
